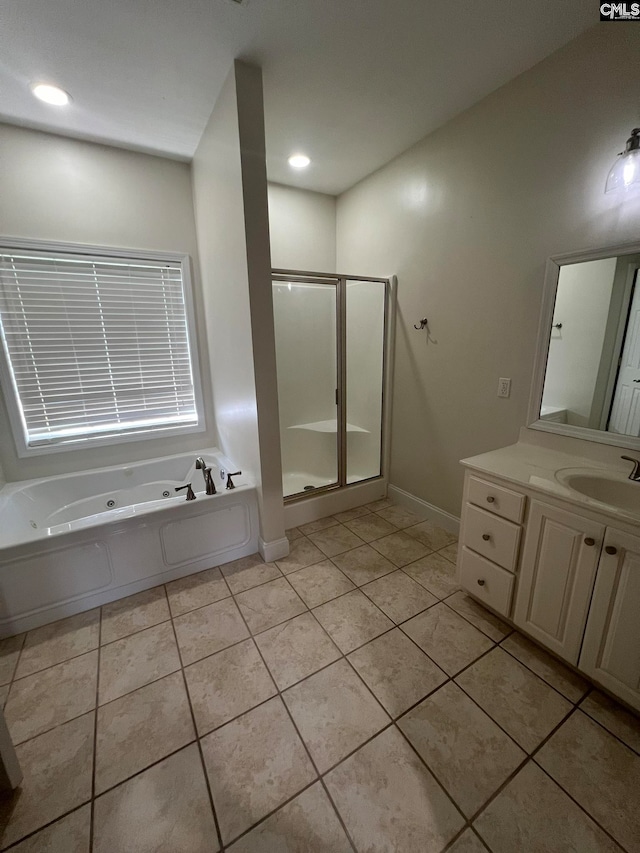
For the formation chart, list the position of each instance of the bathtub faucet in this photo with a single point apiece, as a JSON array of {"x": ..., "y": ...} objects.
[
  {"x": 230, "y": 483},
  {"x": 190, "y": 493},
  {"x": 209, "y": 485}
]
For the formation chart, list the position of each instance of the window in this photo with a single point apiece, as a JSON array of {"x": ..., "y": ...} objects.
[{"x": 97, "y": 348}]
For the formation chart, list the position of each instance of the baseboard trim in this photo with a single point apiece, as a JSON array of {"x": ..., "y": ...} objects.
[
  {"x": 275, "y": 550},
  {"x": 439, "y": 516}
]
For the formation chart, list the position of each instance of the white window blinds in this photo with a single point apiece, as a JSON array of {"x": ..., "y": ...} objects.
[{"x": 95, "y": 346}]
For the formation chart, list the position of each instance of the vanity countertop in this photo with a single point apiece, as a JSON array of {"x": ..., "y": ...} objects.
[{"x": 537, "y": 468}]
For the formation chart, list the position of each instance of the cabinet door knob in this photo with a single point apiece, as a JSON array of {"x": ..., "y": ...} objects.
[
  {"x": 480, "y": 582},
  {"x": 490, "y": 499},
  {"x": 611, "y": 550},
  {"x": 589, "y": 541},
  {"x": 486, "y": 537}
]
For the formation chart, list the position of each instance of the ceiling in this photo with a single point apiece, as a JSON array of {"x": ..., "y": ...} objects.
[{"x": 351, "y": 83}]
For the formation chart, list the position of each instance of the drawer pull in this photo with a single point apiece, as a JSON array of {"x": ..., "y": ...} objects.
[
  {"x": 486, "y": 537},
  {"x": 490, "y": 499},
  {"x": 611, "y": 550},
  {"x": 589, "y": 541},
  {"x": 480, "y": 582}
]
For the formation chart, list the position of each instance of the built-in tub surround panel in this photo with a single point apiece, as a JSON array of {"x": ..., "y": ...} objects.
[
  {"x": 467, "y": 219},
  {"x": 558, "y": 564},
  {"x": 77, "y": 541},
  {"x": 66, "y": 190}
]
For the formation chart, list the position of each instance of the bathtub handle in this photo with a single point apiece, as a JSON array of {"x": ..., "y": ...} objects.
[
  {"x": 190, "y": 493},
  {"x": 230, "y": 484}
]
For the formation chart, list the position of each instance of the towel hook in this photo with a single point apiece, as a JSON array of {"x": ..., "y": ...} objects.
[{"x": 423, "y": 323}]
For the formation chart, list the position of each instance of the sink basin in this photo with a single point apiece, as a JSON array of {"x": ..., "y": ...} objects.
[{"x": 611, "y": 489}]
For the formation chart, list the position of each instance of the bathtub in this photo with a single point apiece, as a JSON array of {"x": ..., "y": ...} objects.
[{"x": 73, "y": 542}]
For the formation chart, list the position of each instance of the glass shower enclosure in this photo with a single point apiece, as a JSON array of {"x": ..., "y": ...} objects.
[{"x": 331, "y": 356}]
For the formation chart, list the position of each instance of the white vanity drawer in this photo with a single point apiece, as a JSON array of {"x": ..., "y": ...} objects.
[
  {"x": 491, "y": 536},
  {"x": 496, "y": 499},
  {"x": 486, "y": 581}
]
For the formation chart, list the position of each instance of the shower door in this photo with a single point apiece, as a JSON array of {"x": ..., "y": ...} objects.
[
  {"x": 306, "y": 328},
  {"x": 330, "y": 351},
  {"x": 363, "y": 347}
]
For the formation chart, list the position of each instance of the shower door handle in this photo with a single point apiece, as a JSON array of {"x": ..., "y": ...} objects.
[{"x": 336, "y": 396}]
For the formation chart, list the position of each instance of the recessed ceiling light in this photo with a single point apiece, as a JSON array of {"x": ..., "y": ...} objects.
[
  {"x": 299, "y": 161},
  {"x": 51, "y": 94}
]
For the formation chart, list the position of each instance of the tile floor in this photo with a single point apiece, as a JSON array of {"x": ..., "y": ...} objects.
[{"x": 346, "y": 698}]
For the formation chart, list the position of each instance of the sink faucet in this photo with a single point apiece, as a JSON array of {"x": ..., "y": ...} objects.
[
  {"x": 635, "y": 473},
  {"x": 209, "y": 485}
]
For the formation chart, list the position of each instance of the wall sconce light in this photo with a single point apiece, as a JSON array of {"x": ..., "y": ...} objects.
[{"x": 625, "y": 172}]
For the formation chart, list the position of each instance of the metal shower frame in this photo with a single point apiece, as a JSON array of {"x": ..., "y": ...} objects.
[{"x": 340, "y": 280}]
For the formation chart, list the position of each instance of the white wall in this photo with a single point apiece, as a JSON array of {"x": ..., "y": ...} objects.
[
  {"x": 230, "y": 197},
  {"x": 466, "y": 219},
  {"x": 302, "y": 225},
  {"x": 54, "y": 188},
  {"x": 575, "y": 350}
]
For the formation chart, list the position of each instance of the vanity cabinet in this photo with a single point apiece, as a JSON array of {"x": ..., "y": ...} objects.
[
  {"x": 611, "y": 648},
  {"x": 559, "y": 572},
  {"x": 490, "y": 541}
]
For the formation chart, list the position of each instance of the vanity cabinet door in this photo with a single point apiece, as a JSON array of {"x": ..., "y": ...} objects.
[
  {"x": 557, "y": 572},
  {"x": 611, "y": 649}
]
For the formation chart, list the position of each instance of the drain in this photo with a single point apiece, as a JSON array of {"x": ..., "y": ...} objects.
[
  {"x": 308, "y": 488},
  {"x": 111, "y": 503},
  {"x": 166, "y": 494}
]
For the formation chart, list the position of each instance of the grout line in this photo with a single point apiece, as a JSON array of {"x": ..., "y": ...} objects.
[
  {"x": 197, "y": 740},
  {"x": 137, "y": 631},
  {"x": 602, "y": 726},
  {"x": 95, "y": 741},
  {"x": 51, "y": 665},
  {"x": 456, "y": 838},
  {"x": 541, "y": 677},
  {"x": 477, "y": 627},
  {"x": 266, "y": 817},
  {"x": 531, "y": 758},
  {"x": 30, "y": 835},
  {"x": 479, "y": 837},
  {"x": 580, "y": 806},
  {"x": 431, "y": 772},
  {"x": 145, "y": 768},
  {"x": 70, "y": 719},
  {"x": 15, "y": 667}
]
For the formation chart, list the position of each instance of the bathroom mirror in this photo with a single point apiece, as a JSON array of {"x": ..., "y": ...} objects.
[{"x": 587, "y": 376}]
